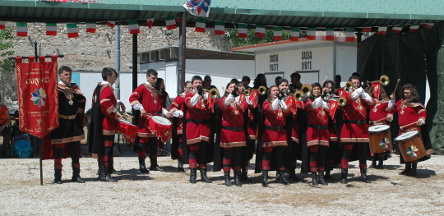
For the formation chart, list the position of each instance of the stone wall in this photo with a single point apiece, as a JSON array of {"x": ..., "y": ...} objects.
[{"x": 92, "y": 52}]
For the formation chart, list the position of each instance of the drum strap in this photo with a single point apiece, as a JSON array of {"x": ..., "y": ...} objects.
[
  {"x": 199, "y": 121},
  {"x": 355, "y": 121},
  {"x": 319, "y": 127},
  {"x": 275, "y": 128},
  {"x": 233, "y": 128}
]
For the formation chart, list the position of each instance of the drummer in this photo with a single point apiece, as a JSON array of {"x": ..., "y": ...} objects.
[
  {"x": 380, "y": 115},
  {"x": 148, "y": 100},
  {"x": 411, "y": 117}
]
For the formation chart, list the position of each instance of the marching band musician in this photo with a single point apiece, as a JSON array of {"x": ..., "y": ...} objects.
[
  {"x": 412, "y": 116},
  {"x": 198, "y": 129},
  {"x": 380, "y": 115},
  {"x": 65, "y": 139},
  {"x": 233, "y": 105},
  {"x": 317, "y": 133},
  {"x": 104, "y": 122},
  {"x": 148, "y": 100},
  {"x": 274, "y": 138},
  {"x": 177, "y": 111},
  {"x": 250, "y": 117},
  {"x": 291, "y": 127},
  {"x": 355, "y": 127}
]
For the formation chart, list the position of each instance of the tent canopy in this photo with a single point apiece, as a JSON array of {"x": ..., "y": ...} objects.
[{"x": 301, "y": 13}]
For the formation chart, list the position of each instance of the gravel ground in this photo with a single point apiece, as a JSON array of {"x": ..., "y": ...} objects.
[{"x": 170, "y": 193}]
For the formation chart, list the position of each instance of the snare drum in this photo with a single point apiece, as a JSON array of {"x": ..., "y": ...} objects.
[
  {"x": 160, "y": 126},
  {"x": 411, "y": 146},
  {"x": 380, "y": 139},
  {"x": 128, "y": 130}
]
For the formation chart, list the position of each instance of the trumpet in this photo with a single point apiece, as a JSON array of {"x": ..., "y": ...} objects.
[
  {"x": 214, "y": 93},
  {"x": 384, "y": 80},
  {"x": 298, "y": 95},
  {"x": 247, "y": 92},
  {"x": 348, "y": 86},
  {"x": 342, "y": 101}
]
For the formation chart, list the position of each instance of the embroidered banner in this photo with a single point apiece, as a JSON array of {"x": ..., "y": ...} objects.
[{"x": 37, "y": 95}]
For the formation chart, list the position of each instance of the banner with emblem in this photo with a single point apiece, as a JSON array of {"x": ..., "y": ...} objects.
[
  {"x": 333, "y": 107},
  {"x": 200, "y": 8},
  {"x": 376, "y": 87},
  {"x": 37, "y": 95}
]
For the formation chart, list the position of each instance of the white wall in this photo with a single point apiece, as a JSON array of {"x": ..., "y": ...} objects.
[{"x": 328, "y": 59}]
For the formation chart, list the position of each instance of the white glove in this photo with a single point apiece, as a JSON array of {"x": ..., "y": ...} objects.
[
  {"x": 316, "y": 103},
  {"x": 249, "y": 102},
  {"x": 275, "y": 104},
  {"x": 391, "y": 103},
  {"x": 420, "y": 122},
  {"x": 228, "y": 100},
  {"x": 177, "y": 113},
  {"x": 356, "y": 93},
  {"x": 194, "y": 100},
  {"x": 237, "y": 100},
  {"x": 283, "y": 105},
  {"x": 389, "y": 117},
  {"x": 138, "y": 106},
  {"x": 366, "y": 97}
]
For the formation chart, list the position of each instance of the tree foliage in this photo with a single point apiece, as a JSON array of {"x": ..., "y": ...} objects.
[
  {"x": 7, "y": 73},
  {"x": 235, "y": 41}
]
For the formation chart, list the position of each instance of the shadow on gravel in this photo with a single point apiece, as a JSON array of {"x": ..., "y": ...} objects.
[
  {"x": 424, "y": 173},
  {"x": 392, "y": 167}
]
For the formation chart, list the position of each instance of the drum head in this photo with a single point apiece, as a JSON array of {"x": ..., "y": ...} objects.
[
  {"x": 406, "y": 135},
  {"x": 378, "y": 128},
  {"x": 161, "y": 120}
]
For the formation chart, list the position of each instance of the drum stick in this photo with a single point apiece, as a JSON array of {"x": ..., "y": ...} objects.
[
  {"x": 402, "y": 127},
  {"x": 396, "y": 86},
  {"x": 325, "y": 79}
]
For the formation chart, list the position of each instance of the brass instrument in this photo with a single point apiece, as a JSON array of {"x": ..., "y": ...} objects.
[
  {"x": 247, "y": 92},
  {"x": 303, "y": 93},
  {"x": 214, "y": 93},
  {"x": 262, "y": 90},
  {"x": 348, "y": 86},
  {"x": 384, "y": 80},
  {"x": 342, "y": 101}
]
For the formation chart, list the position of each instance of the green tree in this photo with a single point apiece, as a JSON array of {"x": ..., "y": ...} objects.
[
  {"x": 7, "y": 72},
  {"x": 251, "y": 39}
]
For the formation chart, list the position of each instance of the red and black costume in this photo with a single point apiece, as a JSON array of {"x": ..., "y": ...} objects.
[
  {"x": 251, "y": 119},
  {"x": 102, "y": 128},
  {"x": 178, "y": 145},
  {"x": 232, "y": 135},
  {"x": 380, "y": 115},
  {"x": 354, "y": 130},
  {"x": 146, "y": 97},
  {"x": 274, "y": 138},
  {"x": 65, "y": 139},
  {"x": 5, "y": 133},
  {"x": 292, "y": 125},
  {"x": 409, "y": 114},
  {"x": 317, "y": 137},
  {"x": 198, "y": 132}
]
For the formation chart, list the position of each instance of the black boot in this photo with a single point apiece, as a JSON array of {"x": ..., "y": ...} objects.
[
  {"x": 227, "y": 178},
  {"x": 265, "y": 178},
  {"x": 180, "y": 165},
  {"x": 76, "y": 175},
  {"x": 321, "y": 178},
  {"x": 203, "y": 175},
  {"x": 373, "y": 161},
  {"x": 142, "y": 167},
  {"x": 237, "y": 178},
  {"x": 292, "y": 176},
  {"x": 244, "y": 176},
  {"x": 344, "y": 173},
  {"x": 154, "y": 166},
  {"x": 408, "y": 168},
  {"x": 57, "y": 176},
  {"x": 413, "y": 171},
  {"x": 364, "y": 175},
  {"x": 104, "y": 174},
  {"x": 281, "y": 177},
  {"x": 314, "y": 178},
  {"x": 328, "y": 170},
  {"x": 381, "y": 164},
  {"x": 112, "y": 170},
  {"x": 193, "y": 175}
]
